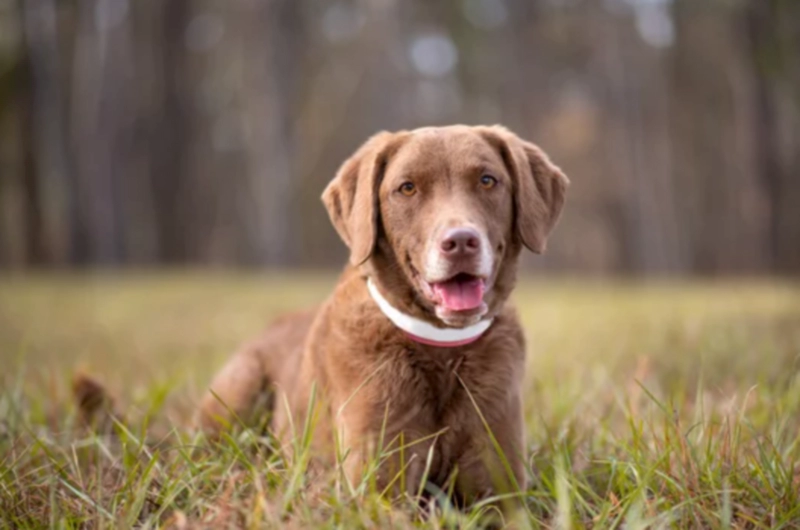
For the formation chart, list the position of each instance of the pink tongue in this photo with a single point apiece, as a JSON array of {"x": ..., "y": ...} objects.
[{"x": 460, "y": 295}]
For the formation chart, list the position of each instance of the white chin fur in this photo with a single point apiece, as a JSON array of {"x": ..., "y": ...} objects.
[
  {"x": 457, "y": 320},
  {"x": 467, "y": 330}
]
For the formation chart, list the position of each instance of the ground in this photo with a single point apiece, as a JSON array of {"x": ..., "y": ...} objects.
[{"x": 660, "y": 404}]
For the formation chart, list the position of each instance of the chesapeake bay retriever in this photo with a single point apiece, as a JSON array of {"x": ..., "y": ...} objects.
[{"x": 417, "y": 344}]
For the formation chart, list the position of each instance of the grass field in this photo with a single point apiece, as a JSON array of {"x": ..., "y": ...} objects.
[{"x": 660, "y": 405}]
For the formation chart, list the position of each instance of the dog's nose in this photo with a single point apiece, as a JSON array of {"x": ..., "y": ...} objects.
[{"x": 460, "y": 241}]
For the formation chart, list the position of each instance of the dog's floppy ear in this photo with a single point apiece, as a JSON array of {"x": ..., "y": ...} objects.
[
  {"x": 351, "y": 198},
  {"x": 540, "y": 188}
]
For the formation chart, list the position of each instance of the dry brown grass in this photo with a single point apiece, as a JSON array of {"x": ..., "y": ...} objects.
[{"x": 661, "y": 405}]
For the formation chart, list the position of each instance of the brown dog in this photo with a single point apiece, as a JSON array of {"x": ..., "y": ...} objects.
[{"x": 416, "y": 345}]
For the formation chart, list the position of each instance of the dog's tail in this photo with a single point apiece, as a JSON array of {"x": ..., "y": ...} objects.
[{"x": 96, "y": 406}]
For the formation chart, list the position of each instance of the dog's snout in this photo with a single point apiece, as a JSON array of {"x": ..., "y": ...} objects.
[{"x": 460, "y": 241}]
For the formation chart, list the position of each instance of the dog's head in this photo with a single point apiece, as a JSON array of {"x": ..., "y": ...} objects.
[{"x": 440, "y": 214}]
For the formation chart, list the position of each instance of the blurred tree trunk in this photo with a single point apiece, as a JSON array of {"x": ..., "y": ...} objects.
[
  {"x": 639, "y": 146},
  {"x": 269, "y": 192},
  {"x": 55, "y": 233},
  {"x": 102, "y": 122},
  {"x": 34, "y": 249},
  {"x": 714, "y": 176},
  {"x": 773, "y": 30},
  {"x": 170, "y": 132}
]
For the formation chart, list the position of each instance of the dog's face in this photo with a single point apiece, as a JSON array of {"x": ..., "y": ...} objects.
[{"x": 444, "y": 213}]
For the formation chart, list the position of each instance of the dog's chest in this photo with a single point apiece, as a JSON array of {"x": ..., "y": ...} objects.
[
  {"x": 443, "y": 383},
  {"x": 436, "y": 379}
]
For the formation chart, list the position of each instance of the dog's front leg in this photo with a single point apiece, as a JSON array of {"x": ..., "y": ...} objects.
[
  {"x": 391, "y": 461},
  {"x": 495, "y": 465}
]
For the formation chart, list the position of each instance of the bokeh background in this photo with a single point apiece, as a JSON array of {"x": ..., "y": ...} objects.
[{"x": 144, "y": 133}]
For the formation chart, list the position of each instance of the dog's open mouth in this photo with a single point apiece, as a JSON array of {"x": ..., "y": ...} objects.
[{"x": 462, "y": 292}]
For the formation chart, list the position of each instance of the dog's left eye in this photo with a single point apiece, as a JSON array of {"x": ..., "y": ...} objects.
[
  {"x": 408, "y": 189},
  {"x": 488, "y": 182}
]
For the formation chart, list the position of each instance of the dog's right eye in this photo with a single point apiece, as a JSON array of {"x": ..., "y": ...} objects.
[
  {"x": 488, "y": 182},
  {"x": 407, "y": 188}
]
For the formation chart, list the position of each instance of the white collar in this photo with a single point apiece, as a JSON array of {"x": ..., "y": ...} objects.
[{"x": 422, "y": 331}]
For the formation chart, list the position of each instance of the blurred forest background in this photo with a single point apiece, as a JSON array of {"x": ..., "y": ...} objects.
[{"x": 147, "y": 132}]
